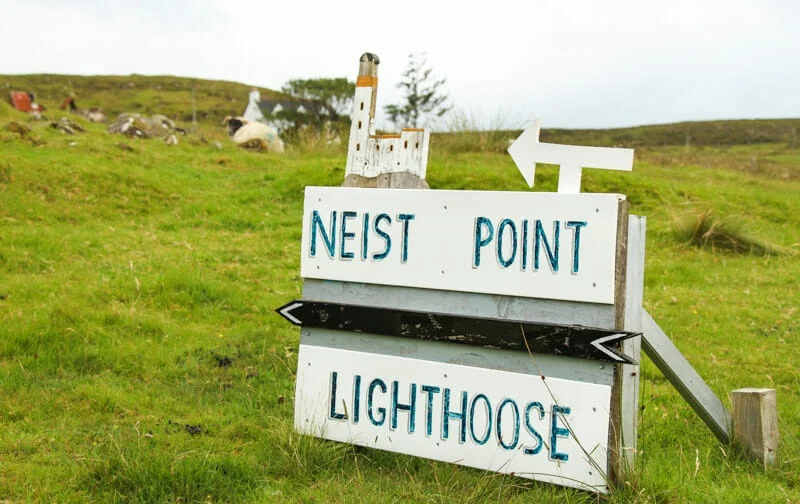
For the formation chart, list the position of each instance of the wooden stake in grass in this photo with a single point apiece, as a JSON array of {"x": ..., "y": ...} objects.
[{"x": 755, "y": 422}]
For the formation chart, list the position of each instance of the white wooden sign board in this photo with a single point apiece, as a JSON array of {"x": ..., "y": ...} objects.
[
  {"x": 551, "y": 430},
  {"x": 538, "y": 245}
]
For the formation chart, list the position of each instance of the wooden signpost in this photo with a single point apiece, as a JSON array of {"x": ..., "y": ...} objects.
[
  {"x": 497, "y": 330},
  {"x": 433, "y": 281},
  {"x": 479, "y": 328}
]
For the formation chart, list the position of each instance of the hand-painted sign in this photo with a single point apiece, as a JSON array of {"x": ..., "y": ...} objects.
[
  {"x": 541, "y": 428},
  {"x": 545, "y": 245},
  {"x": 566, "y": 340},
  {"x": 506, "y": 272},
  {"x": 527, "y": 151}
]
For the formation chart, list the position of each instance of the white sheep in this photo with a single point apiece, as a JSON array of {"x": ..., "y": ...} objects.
[{"x": 250, "y": 133}]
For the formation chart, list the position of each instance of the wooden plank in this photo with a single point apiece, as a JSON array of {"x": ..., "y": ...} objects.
[
  {"x": 549, "y": 430},
  {"x": 669, "y": 360},
  {"x": 629, "y": 373},
  {"x": 539, "y": 245},
  {"x": 546, "y": 311},
  {"x": 616, "y": 466},
  {"x": 755, "y": 422},
  {"x": 522, "y": 336},
  {"x": 568, "y": 368}
]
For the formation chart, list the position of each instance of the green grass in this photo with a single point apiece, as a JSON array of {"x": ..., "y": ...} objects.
[
  {"x": 115, "y": 94},
  {"x": 141, "y": 360},
  {"x": 172, "y": 97}
]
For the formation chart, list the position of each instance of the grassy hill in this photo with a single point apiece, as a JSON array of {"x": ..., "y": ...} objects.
[
  {"x": 171, "y": 96},
  {"x": 141, "y": 360}
]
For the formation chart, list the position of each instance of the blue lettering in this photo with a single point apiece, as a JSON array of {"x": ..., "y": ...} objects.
[
  {"x": 556, "y": 432},
  {"x": 411, "y": 407},
  {"x": 481, "y": 240},
  {"x": 377, "y": 382},
  {"x": 356, "y": 398},
  {"x": 458, "y": 415},
  {"x": 488, "y": 406},
  {"x": 405, "y": 218},
  {"x": 539, "y": 441},
  {"x": 387, "y": 239},
  {"x": 430, "y": 390},
  {"x": 333, "y": 413},
  {"x": 503, "y": 225},
  {"x": 552, "y": 253},
  {"x": 345, "y": 235},
  {"x": 524, "y": 244},
  {"x": 576, "y": 242},
  {"x": 364, "y": 236},
  {"x": 329, "y": 239},
  {"x": 515, "y": 409}
]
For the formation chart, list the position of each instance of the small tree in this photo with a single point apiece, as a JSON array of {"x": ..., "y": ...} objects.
[
  {"x": 423, "y": 97},
  {"x": 325, "y": 109},
  {"x": 336, "y": 94}
]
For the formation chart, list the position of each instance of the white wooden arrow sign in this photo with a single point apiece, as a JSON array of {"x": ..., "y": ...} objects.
[{"x": 526, "y": 151}]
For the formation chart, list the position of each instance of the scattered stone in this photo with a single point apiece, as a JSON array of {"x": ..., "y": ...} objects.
[
  {"x": 67, "y": 126},
  {"x": 130, "y": 125},
  {"x": 171, "y": 140},
  {"x": 218, "y": 145},
  {"x": 21, "y": 129},
  {"x": 281, "y": 399},
  {"x": 139, "y": 126}
]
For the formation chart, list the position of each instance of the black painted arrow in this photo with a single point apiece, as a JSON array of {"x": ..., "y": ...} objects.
[{"x": 567, "y": 340}]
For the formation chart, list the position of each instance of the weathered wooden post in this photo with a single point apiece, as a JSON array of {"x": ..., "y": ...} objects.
[{"x": 755, "y": 422}]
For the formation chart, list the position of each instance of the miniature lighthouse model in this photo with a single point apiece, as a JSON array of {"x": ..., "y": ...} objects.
[{"x": 370, "y": 155}]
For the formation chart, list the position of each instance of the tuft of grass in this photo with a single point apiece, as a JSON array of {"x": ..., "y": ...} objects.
[
  {"x": 329, "y": 139},
  {"x": 707, "y": 231},
  {"x": 465, "y": 133}
]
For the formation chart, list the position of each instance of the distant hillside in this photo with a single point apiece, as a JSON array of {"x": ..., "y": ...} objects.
[
  {"x": 170, "y": 96},
  {"x": 700, "y": 133}
]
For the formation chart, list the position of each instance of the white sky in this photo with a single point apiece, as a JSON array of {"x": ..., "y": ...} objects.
[{"x": 572, "y": 63}]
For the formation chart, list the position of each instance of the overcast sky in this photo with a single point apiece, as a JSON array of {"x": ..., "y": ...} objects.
[{"x": 571, "y": 63}]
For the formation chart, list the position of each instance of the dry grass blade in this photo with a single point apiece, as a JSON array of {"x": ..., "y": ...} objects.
[{"x": 710, "y": 232}]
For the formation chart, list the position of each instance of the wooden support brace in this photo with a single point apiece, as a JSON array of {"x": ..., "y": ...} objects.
[
  {"x": 670, "y": 361},
  {"x": 755, "y": 422}
]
